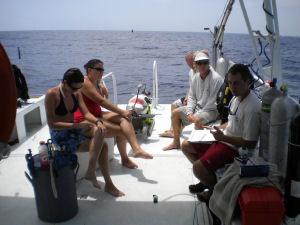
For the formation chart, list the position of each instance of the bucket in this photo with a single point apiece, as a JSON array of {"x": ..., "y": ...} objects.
[{"x": 49, "y": 208}]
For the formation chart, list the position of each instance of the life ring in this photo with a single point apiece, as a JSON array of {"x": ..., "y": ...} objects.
[{"x": 8, "y": 97}]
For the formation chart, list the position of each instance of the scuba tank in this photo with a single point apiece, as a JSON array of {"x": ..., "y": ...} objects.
[
  {"x": 222, "y": 66},
  {"x": 138, "y": 104},
  {"x": 292, "y": 181},
  {"x": 267, "y": 99},
  {"x": 283, "y": 110}
]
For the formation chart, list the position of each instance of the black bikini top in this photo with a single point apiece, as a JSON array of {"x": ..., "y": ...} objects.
[{"x": 61, "y": 109}]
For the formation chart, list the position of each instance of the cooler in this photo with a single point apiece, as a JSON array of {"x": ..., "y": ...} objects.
[{"x": 261, "y": 206}]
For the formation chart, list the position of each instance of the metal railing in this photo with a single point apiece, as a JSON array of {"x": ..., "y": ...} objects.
[
  {"x": 155, "y": 86},
  {"x": 113, "y": 77}
]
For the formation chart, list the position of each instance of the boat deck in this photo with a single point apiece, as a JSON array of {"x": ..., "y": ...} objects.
[{"x": 167, "y": 175}]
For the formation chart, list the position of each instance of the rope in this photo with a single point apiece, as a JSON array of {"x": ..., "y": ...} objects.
[
  {"x": 293, "y": 144},
  {"x": 269, "y": 14},
  {"x": 268, "y": 59},
  {"x": 222, "y": 12},
  {"x": 266, "y": 11}
]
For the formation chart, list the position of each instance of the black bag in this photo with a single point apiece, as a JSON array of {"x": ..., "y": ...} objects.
[
  {"x": 21, "y": 85},
  {"x": 223, "y": 98}
]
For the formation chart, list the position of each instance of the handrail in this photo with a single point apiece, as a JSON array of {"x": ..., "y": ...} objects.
[
  {"x": 113, "y": 77},
  {"x": 155, "y": 86}
]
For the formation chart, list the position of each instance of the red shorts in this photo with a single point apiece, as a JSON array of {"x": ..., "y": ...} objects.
[{"x": 214, "y": 156}]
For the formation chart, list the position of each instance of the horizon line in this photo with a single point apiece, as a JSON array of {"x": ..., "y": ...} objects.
[{"x": 129, "y": 30}]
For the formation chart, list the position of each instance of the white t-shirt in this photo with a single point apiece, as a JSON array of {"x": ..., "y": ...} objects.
[
  {"x": 203, "y": 93},
  {"x": 191, "y": 75},
  {"x": 245, "y": 122}
]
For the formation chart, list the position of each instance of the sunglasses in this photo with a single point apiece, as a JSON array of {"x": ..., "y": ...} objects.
[
  {"x": 74, "y": 88},
  {"x": 98, "y": 69},
  {"x": 204, "y": 62}
]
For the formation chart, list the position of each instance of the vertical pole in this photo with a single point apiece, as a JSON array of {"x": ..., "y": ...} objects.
[
  {"x": 277, "y": 63},
  {"x": 251, "y": 36},
  {"x": 155, "y": 86},
  {"x": 270, "y": 30}
]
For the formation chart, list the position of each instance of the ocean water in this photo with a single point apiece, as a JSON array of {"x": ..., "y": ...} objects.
[{"x": 46, "y": 55}]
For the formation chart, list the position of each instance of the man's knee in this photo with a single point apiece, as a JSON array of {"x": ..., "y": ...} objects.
[
  {"x": 176, "y": 115},
  {"x": 198, "y": 123},
  {"x": 185, "y": 146},
  {"x": 200, "y": 170}
]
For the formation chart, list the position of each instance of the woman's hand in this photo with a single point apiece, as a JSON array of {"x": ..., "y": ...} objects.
[
  {"x": 101, "y": 127},
  {"x": 104, "y": 91},
  {"x": 127, "y": 115}
]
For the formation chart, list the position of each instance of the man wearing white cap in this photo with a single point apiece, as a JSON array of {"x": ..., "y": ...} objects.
[
  {"x": 189, "y": 58},
  {"x": 201, "y": 108}
]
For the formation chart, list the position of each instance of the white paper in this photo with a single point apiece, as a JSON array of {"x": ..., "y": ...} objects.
[{"x": 198, "y": 136}]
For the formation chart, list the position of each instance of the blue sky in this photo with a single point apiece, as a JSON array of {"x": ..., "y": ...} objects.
[{"x": 145, "y": 15}]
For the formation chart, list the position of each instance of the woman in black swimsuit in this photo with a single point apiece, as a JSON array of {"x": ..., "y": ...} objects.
[{"x": 61, "y": 102}]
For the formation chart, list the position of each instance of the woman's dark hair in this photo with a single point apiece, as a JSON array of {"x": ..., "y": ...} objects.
[
  {"x": 73, "y": 75},
  {"x": 92, "y": 63},
  {"x": 244, "y": 71}
]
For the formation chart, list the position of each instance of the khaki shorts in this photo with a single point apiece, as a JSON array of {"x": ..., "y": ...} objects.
[
  {"x": 205, "y": 117},
  {"x": 179, "y": 102}
]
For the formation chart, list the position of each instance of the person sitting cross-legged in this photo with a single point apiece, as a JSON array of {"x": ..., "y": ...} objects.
[
  {"x": 189, "y": 59},
  {"x": 241, "y": 130}
]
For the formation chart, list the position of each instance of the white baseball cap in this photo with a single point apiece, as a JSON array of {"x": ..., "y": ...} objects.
[{"x": 201, "y": 56}]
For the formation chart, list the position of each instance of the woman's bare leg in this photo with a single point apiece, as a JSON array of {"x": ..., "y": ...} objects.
[
  {"x": 95, "y": 146},
  {"x": 104, "y": 167},
  {"x": 128, "y": 131},
  {"x": 114, "y": 130}
]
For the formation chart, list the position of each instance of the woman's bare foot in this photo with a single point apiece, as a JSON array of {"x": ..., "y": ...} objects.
[
  {"x": 167, "y": 133},
  {"x": 111, "y": 189},
  {"x": 93, "y": 179},
  {"x": 129, "y": 164},
  {"x": 171, "y": 146},
  {"x": 142, "y": 154}
]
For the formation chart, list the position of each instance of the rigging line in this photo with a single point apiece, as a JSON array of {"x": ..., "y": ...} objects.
[
  {"x": 266, "y": 55},
  {"x": 269, "y": 14},
  {"x": 222, "y": 12},
  {"x": 266, "y": 11},
  {"x": 270, "y": 32}
]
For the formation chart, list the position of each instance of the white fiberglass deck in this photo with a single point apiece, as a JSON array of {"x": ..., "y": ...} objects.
[{"x": 167, "y": 176}]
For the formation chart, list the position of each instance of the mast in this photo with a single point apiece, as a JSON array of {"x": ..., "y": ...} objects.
[{"x": 218, "y": 35}]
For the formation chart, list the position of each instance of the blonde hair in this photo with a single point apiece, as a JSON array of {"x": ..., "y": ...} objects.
[{"x": 195, "y": 53}]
